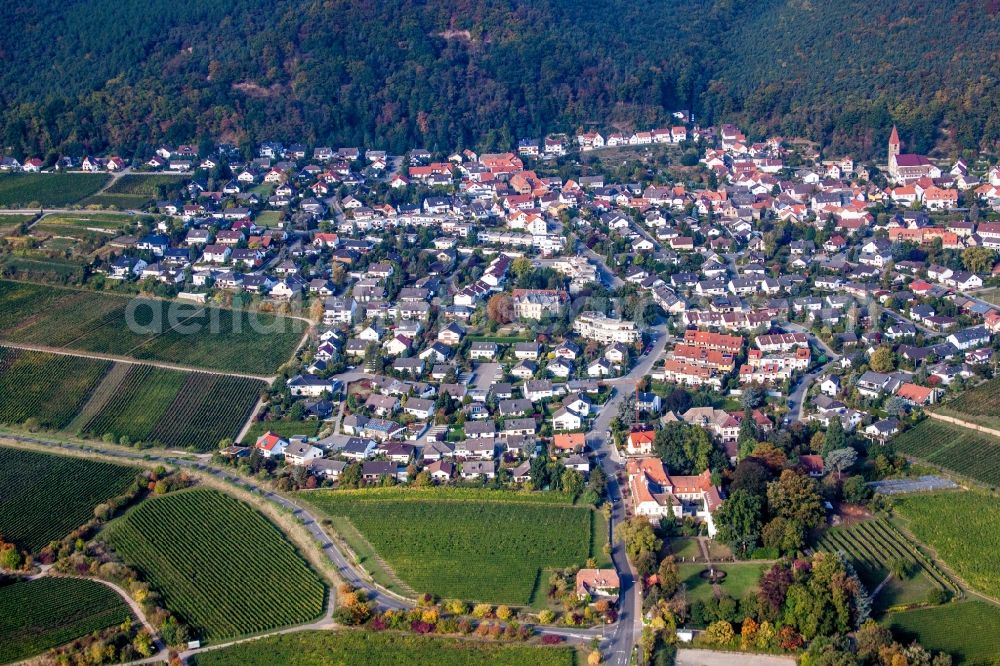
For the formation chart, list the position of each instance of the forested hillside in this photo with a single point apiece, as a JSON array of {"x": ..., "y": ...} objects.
[{"x": 95, "y": 75}]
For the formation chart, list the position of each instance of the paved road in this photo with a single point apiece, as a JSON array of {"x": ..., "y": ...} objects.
[
  {"x": 625, "y": 633},
  {"x": 796, "y": 401},
  {"x": 608, "y": 276}
]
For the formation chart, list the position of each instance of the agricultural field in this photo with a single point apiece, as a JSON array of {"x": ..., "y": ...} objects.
[
  {"x": 969, "y": 630},
  {"x": 47, "y": 190},
  {"x": 175, "y": 332},
  {"x": 45, "y": 497},
  {"x": 10, "y": 223},
  {"x": 84, "y": 225},
  {"x": 38, "y": 615},
  {"x": 43, "y": 267},
  {"x": 962, "y": 528},
  {"x": 740, "y": 579},
  {"x": 219, "y": 564},
  {"x": 174, "y": 408},
  {"x": 979, "y": 405},
  {"x": 136, "y": 190},
  {"x": 464, "y": 545},
  {"x": 873, "y": 546},
  {"x": 49, "y": 388},
  {"x": 961, "y": 450},
  {"x": 365, "y": 648}
]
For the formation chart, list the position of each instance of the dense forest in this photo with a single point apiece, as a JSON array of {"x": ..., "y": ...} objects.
[{"x": 96, "y": 75}]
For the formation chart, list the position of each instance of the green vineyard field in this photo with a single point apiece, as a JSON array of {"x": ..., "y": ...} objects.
[
  {"x": 49, "y": 388},
  {"x": 50, "y": 190},
  {"x": 42, "y": 614},
  {"x": 962, "y": 528},
  {"x": 966, "y": 452},
  {"x": 364, "y": 648},
  {"x": 215, "y": 338},
  {"x": 45, "y": 497},
  {"x": 219, "y": 564}
]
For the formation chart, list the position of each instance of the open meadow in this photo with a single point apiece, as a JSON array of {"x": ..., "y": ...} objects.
[
  {"x": 220, "y": 564},
  {"x": 962, "y": 528},
  {"x": 183, "y": 333},
  {"x": 38, "y": 615},
  {"x": 964, "y": 451},
  {"x": 365, "y": 648},
  {"x": 45, "y": 497},
  {"x": 470, "y": 544},
  {"x": 47, "y": 190}
]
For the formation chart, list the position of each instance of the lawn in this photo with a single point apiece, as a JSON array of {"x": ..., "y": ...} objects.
[
  {"x": 968, "y": 630},
  {"x": 220, "y": 565},
  {"x": 964, "y": 451},
  {"x": 147, "y": 329},
  {"x": 980, "y": 405},
  {"x": 474, "y": 544},
  {"x": 47, "y": 190},
  {"x": 49, "y": 388},
  {"x": 740, "y": 579},
  {"x": 269, "y": 219},
  {"x": 85, "y": 224},
  {"x": 45, "y": 497},
  {"x": 962, "y": 528},
  {"x": 42, "y": 614},
  {"x": 685, "y": 549},
  {"x": 282, "y": 427},
  {"x": 364, "y": 648}
]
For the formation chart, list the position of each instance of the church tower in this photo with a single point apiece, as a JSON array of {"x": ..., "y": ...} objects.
[{"x": 893, "y": 151}]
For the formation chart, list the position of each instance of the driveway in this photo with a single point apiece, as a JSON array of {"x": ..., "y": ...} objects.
[{"x": 686, "y": 657}]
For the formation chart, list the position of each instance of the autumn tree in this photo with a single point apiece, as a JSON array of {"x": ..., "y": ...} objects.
[
  {"x": 795, "y": 497},
  {"x": 882, "y": 360},
  {"x": 500, "y": 309}
]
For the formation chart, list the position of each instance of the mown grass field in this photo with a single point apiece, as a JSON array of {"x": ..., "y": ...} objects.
[
  {"x": 364, "y": 648},
  {"x": 968, "y": 630},
  {"x": 174, "y": 408},
  {"x": 468, "y": 545},
  {"x": 38, "y": 615},
  {"x": 45, "y": 497},
  {"x": 10, "y": 223},
  {"x": 964, "y": 451},
  {"x": 962, "y": 528},
  {"x": 147, "y": 329},
  {"x": 49, "y": 388},
  {"x": 219, "y": 564},
  {"x": 872, "y": 547},
  {"x": 51, "y": 190},
  {"x": 979, "y": 405}
]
